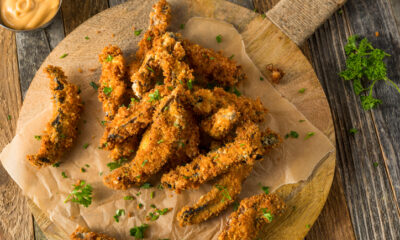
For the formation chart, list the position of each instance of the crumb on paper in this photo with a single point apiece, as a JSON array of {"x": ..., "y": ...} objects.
[
  {"x": 113, "y": 35},
  {"x": 80, "y": 70},
  {"x": 98, "y": 31},
  {"x": 276, "y": 73},
  {"x": 92, "y": 69}
]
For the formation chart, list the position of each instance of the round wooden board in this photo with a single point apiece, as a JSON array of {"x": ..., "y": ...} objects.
[{"x": 265, "y": 44}]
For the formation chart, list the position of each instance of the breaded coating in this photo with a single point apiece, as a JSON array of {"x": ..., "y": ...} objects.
[
  {"x": 225, "y": 190},
  {"x": 245, "y": 149},
  {"x": 160, "y": 17},
  {"x": 112, "y": 89},
  {"x": 206, "y": 102},
  {"x": 166, "y": 59},
  {"x": 174, "y": 135},
  {"x": 223, "y": 193},
  {"x": 124, "y": 149},
  {"x": 252, "y": 214},
  {"x": 61, "y": 131},
  {"x": 213, "y": 66},
  {"x": 130, "y": 122},
  {"x": 221, "y": 123},
  {"x": 82, "y": 233}
]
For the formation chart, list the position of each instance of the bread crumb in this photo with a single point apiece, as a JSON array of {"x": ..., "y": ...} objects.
[
  {"x": 92, "y": 69},
  {"x": 113, "y": 35},
  {"x": 276, "y": 73},
  {"x": 80, "y": 70},
  {"x": 98, "y": 31}
]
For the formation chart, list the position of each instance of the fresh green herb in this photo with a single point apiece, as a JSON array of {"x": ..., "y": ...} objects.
[
  {"x": 129, "y": 197},
  {"x": 153, "y": 206},
  {"x": 38, "y": 137},
  {"x": 94, "y": 85},
  {"x": 85, "y": 146},
  {"x": 292, "y": 134},
  {"x": 139, "y": 205},
  {"x": 302, "y": 90},
  {"x": 138, "y": 231},
  {"x": 152, "y": 216},
  {"x": 107, "y": 90},
  {"x": 265, "y": 189},
  {"x": 103, "y": 123},
  {"x": 138, "y": 194},
  {"x": 190, "y": 84},
  {"x": 64, "y": 55},
  {"x": 160, "y": 187},
  {"x": 146, "y": 185},
  {"x": 182, "y": 26},
  {"x": 308, "y": 226},
  {"x": 261, "y": 79},
  {"x": 138, "y": 32},
  {"x": 87, "y": 165},
  {"x": 83, "y": 169},
  {"x": 144, "y": 162},
  {"x": 235, "y": 206},
  {"x": 152, "y": 194},
  {"x": 148, "y": 39},
  {"x": 81, "y": 194},
  {"x": 365, "y": 66},
  {"x": 155, "y": 96},
  {"x": 268, "y": 215},
  {"x": 57, "y": 164},
  {"x": 219, "y": 38},
  {"x": 109, "y": 58},
  {"x": 160, "y": 141},
  {"x": 301, "y": 120},
  {"x": 263, "y": 15},
  {"x": 176, "y": 124},
  {"x": 157, "y": 213},
  {"x": 64, "y": 175},
  {"x": 118, "y": 214},
  {"x": 232, "y": 56},
  {"x": 376, "y": 164},
  {"x": 310, "y": 134},
  {"x": 101, "y": 173},
  {"x": 87, "y": 38},
  {"x": 150, "y": 69},
  {"x": 211, "y": 58},
  {"x": 9, "y": 117},
  {"x": 242, "y": 144},
  {"x": 116, "y": 164},
  {"x": 225, "y": 192},
  {"x": 353, "y": 130},
  {"x": 236, "y": 92}
]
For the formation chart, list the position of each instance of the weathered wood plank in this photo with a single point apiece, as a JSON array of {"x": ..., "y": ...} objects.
[
  {"x": 369, "y": 193},
  {"x": 16, "y": 219},
  {"x": 76, "y": 12}
]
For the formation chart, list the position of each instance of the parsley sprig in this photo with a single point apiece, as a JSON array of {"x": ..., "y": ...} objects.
[
  {"x": 81, "y": 194},
  {"x": 365, "y": 67}
]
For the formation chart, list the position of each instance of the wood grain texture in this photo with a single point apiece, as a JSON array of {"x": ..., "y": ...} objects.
[
  {"x": 76, "y": 12},
  {"x": 371, "y": 192},
  {"x": 300, "y": 18},
  {"x": 15, "y": 217}
]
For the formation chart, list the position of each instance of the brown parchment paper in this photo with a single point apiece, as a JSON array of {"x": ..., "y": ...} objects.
[{"x": 292, "y": 162}]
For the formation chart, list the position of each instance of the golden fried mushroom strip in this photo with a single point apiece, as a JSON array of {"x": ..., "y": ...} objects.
[
  {"x": 225, "y": 190},
  {"x": 206, "y": 102},
  {"x": 252, "y": 214},
  {"x": 160, "y": 17},
  {"x": 61, "y": 131},
  {"x": 82, "y": 233},
  {"x": 245, "y": 149},
  {"x": 216, "y": 68},
  {"x": 223, "y": 193},
  {"x": 112, "y": 89},
  {"x": 165, "y": 57},
  {"x": 221, "y": 123},
  {"x": 172, "y": 136}
]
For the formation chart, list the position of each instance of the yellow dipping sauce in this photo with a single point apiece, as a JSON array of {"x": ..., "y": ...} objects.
[{"x": 27, "y": 14}]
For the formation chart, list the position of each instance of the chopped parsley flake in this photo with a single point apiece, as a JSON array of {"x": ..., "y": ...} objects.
[
  {"x": 301, "y": 120},
  {"x": 148, "y": 39},
  {"x": 83, "y": 169},
  {"x": 140, "y": 205},
  {"x": 138, "y": 194},
  {"x": 308, "y": 226},
  {"x": 268, "y": 215},
  {"x": 232, "y": 56},
  {"x": 138, "y": 231},
  {"x": 103, "y": 123},
  {"x": 85, "y": 146},
  {"x": 155, "y": 96},
  {"x": 152, "y": 194},
  {"x": 129, "y": 198},
  {"x": 118, "y": 214},
  {"x": 157, "y": 213},
  {"x": 160, "y": 141},
  {"x": 353, "y": 130},
  {"x": 146, "y": 186},
  {"x": 94, "y": 85},
  {"x": 263, "y": 15},
  {"x": 160, "y": 187},
  {"x": 38, "y": 137},
  {"x": 64, "y": 175},
  {"x": 219, "y": 38},
  {"x": 190, "y": 84},
  {"x": 87, "y": 38},
  {"x": 182, "y": 26},
  {"x": 235, "y": 206},
  {"x": 144, "y": 162},
  {"x": 292, "y": 134},
  {"x": 265, "y": 189},
  {"x": 64, "y": 55},
  {"x": 153, "y": 206},
  {"x": 302, "y": 90},
  {"x": 116, "y": 164},
  {"x": 225, "y": 192},
  {"x": 150, "y": 69},
  {"x": 9, "y": 117},
  {"x": 138, "y": 32},
  {"x": 57, "y": 164},
  {"x": 109, "y": 58},
  {"x": 376, "y": 164},
  {"x": 107, "y": 90},
  {"x": 81, "y": 194},
  {"x": 261, "y": 79},
  {"x": 310, "y": 134}
]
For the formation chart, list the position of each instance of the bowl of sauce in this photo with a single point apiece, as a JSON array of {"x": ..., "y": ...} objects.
[{"x": 27, "y": 15}]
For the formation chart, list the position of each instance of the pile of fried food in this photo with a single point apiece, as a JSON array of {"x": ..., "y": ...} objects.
[{"x": 172, "y": 111}]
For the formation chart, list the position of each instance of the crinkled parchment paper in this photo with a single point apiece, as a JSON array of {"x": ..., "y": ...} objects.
[{"x": 293, "y": 162}]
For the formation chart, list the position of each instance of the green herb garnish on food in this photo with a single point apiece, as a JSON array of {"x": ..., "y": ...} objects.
[
  {"x": 107, "y": 90},
  {"x": 109, "y": 58},
  {"x": 81, "y": 194},
  {"x": 138, "y": 231},
  {"x": 225, "y": 192},
  {"x": 235, "y": 206},
  {"x": 144, "y": 162},
  {"x": 116, "y": 164},
  {"x": 365, "y": 67},
  {"x": 155, "y": 96},
  {"x": 138, "y": 32},
  {"x": 190, "y": 84},
  {"x": 267, "y": 214},
  {"x": 265, "y": 189},
  {"x": 146, "y": 185}
]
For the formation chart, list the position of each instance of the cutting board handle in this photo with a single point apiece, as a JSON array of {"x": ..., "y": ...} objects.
[{"x": 298, "y": 19}]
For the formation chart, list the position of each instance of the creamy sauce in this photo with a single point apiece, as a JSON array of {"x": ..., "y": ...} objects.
[{"x": 27, "y": 14}]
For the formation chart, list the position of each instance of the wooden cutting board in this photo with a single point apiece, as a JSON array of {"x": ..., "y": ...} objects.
[{"x": 265, "y": 43}]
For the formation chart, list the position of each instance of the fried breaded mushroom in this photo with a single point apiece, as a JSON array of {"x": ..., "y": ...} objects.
[
  {"x": 160, "y": 17},
  {"x": 113, "y": 88},
  {"x": 61, "y": 131},
  {"x": 222, "y": 194},
  {"x": 245, "y": 149},
  {"x": 216, "y": 68},
  {"x": 221, "y": 123},
  {"x": 82, "y": 233},
  {"x": 252, "y": 214},
  {"x": 174, "y": 135}
]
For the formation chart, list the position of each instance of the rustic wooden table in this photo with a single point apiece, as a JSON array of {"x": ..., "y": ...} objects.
[{"x": 365, "y": 196}]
